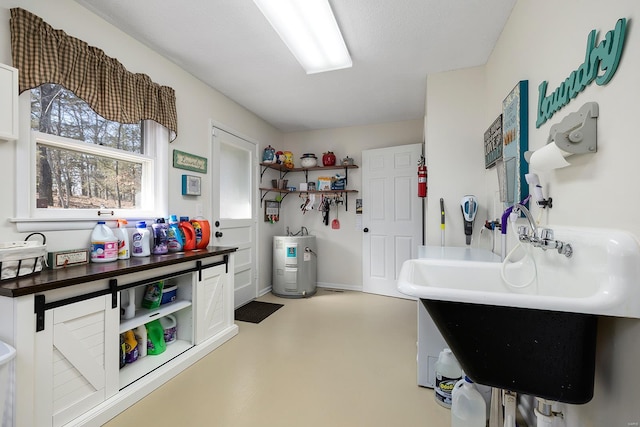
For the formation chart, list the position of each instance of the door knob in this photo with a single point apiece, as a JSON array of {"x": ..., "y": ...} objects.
[
  {"x": 218, "y": 234},
  {"x": 366, "y": 230}
]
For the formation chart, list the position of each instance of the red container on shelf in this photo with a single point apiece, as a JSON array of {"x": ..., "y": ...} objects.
[{"x": 329, "y": 159}]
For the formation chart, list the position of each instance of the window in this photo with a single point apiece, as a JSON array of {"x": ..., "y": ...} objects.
[{"x": 83, "y": 166}]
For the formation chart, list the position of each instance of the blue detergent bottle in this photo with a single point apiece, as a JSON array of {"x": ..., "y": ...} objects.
[{"x": 175, "y": 241}]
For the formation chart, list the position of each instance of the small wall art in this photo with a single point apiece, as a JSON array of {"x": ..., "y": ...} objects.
[
  {"x": 191, "y": 162},
  {"x": 191, "y": 185},
  {"x": 493, "y": 143},
  {"x": 515, "y": 137},
  {"x": 271, "y": 211}
]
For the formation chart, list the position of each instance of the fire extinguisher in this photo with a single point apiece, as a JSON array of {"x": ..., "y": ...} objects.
[{"x": 422, "y": 178}]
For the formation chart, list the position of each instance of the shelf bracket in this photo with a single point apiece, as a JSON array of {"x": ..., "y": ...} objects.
[{"x": 264, "y": 169}]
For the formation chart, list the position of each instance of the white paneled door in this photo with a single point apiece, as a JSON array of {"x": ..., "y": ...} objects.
[
  {"x": 234, "y": 211},
  {"x": 391, "y": 215}
]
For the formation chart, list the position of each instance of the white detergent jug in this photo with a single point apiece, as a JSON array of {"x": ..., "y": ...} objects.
[
  {"x": 104, "y": 244},
  {"x": 448, "y": 373},
  {"x": 468, "y": 408}
]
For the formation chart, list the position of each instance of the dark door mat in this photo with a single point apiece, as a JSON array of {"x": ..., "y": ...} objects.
[{"x": 256, "y": 311}]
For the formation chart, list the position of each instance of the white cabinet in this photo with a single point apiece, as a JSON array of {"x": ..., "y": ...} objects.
[
  {"x": 8, "y": 102},
  {"x": 67, "y": 370},
  {"x": 76, "y": 360},
  {"x": 212, "y": 306}
]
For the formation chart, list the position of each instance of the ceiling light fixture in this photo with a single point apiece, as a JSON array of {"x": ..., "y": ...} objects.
[{"x": 310, "y": 31}]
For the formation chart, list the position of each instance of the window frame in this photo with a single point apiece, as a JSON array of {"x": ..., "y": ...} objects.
[{"x": 155, "y": 179}]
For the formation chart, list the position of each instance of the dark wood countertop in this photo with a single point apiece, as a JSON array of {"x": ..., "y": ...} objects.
[{"x": 54, "y": 279}]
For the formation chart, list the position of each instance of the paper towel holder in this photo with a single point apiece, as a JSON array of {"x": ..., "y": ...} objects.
[{"x": 576, "y": 133}]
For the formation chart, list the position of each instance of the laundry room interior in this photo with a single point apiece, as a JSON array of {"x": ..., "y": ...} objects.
[{"x": 313, "y": 246}]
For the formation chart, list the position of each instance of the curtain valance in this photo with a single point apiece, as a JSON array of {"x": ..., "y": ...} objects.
[{"x": 46, "y": 55}]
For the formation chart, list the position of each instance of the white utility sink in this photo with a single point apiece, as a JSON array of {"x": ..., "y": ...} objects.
[{"x": 601, "y": 277}]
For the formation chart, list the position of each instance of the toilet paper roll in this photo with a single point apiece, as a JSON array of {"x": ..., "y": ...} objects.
[{"x": 548, "y": 158}]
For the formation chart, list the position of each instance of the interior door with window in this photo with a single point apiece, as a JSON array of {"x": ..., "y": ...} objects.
[
  {"x": 234, "y": 212},
  {"x": 391, "y": 215}
]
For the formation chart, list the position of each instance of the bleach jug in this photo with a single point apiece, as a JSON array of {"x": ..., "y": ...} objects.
[
  {"x": 104, "y": 244},
  {"x": 468, "y": 407},
  {"x": 448, "y": 373},
  {"x": 140, "y": 240}
]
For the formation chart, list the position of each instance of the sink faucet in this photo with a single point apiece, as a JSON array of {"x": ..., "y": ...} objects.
[
  {"x": 540, "y": 238},
  {"x": 524, "y": 236}
]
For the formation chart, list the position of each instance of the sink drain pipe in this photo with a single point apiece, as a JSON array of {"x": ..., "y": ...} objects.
[{"x": 544, "y": 413}]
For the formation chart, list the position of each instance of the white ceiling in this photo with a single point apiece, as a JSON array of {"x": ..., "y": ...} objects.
[{"x": 229, "y": 45}]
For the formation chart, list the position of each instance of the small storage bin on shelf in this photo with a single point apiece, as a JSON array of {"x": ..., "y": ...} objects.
[{"x": 22, "y": 258}]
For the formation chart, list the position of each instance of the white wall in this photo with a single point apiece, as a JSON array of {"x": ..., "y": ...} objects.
[
  {"x": 455, "y": 155},
  {"x": 339, "y": 251},
  {"x": 197, "y": 105},
  {"x": 546, "y": 40}
]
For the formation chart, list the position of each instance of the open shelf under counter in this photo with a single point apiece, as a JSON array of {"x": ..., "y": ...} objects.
[
  {"x": 141, "y": 367},
  {"x": 144, "y": 316}
]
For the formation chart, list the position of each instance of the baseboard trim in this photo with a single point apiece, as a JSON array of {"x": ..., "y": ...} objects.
[{"x": 341, "y": 286}]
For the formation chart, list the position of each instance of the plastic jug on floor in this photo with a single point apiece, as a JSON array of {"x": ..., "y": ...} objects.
[
  {"x": 468, "y": 408},
  {"x": 448, "y": 373}
]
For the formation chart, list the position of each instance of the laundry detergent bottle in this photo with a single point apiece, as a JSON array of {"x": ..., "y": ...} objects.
[
  {"x": 189, "y": 234},
  {"x": 174, "y": 235},
  {"x": 140, "y": 240},
  {"x": 201, "y": 227},
  {"x": 160, "y": 241}
]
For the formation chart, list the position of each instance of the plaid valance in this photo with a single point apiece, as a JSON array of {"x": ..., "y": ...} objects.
[{"x": 45, "y": 55}]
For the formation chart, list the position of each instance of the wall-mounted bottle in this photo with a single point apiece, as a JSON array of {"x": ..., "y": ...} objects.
[{"x": 140, "y": 240}]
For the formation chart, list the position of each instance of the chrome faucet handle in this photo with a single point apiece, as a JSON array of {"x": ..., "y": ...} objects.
[
  {"x": 523, "y": 230},
  {"x": 546, "y": 234}
]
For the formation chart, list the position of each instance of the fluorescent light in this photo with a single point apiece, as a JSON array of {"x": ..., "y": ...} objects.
[{"x": 310, "y": 31}]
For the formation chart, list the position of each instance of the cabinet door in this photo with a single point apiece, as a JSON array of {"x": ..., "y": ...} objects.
[
  {"x": 8, "y": 102},
  {"x": 76, "y": 360},
  {"x": 212, "y": 309}
]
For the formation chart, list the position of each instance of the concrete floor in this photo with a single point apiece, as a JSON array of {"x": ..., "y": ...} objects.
[{"x": 335, "y": 359}]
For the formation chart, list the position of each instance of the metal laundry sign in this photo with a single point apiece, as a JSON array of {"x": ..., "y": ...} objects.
[{"x": 600, "y": 64}]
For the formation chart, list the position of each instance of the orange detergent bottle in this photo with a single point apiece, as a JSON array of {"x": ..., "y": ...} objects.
[
  {"x": 189, "y": 235},
  {"x": 201, "y": 227}
]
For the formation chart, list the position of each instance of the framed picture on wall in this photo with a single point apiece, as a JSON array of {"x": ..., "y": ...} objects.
[
  {"x": 190, "y": 185},
  {"x": 493, "y": 143},
  {"x": 515, "y": 139}
]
